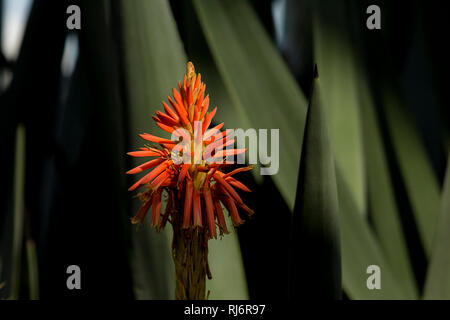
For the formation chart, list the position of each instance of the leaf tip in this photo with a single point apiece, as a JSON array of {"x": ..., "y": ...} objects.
[{"x": 316, "y": 72}]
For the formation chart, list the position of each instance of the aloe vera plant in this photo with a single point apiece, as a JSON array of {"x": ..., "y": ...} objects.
[{"x": 360, "y": 189}]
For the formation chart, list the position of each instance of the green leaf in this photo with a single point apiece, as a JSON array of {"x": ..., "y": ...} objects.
[
  {"x": 225, "y": 261},
  {"x": 154, "y": 62},
  {"x": 18, "y": 207},
  {"x": 419, "y": 178},
  {"x": 360, "y": 249},
  {"x": 437, "y": 284},
  {"x": 334, "y": 55},
  {"x": 382, "y": 203},
  {"x": 263, "y": 91},
  {"x": 316, "y": 254},
  {"x": 32, "y": 269}
]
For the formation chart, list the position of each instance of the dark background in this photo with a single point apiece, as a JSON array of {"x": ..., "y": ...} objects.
[{"x": 76, "y": 207}]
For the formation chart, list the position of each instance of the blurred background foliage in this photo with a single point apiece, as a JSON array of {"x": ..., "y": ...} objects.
[{"x": 361, "y": 178}]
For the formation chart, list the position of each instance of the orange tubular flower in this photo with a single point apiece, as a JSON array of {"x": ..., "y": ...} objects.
[
  {"x": 188, "y": 167},
  {"x": 199, "y": 180}
]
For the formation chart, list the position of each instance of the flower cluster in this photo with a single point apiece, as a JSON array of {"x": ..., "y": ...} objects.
[{"x": 189, "y": 166}]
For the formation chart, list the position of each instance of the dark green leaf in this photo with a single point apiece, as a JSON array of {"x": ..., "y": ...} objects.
[
  {"x": 18, "y": 201},
  {"x": 360, "y": 249},
  {"x": 437, "y": 285},
  {"x": 32, "y": 269},
  {"x": 333, "y": 53},
  {"x": 316, "y": 270},
  {"x": 382, "y": 203},
  {"x": 419, "y": 178}
]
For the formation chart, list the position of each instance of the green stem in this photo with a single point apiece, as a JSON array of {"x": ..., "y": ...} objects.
[{"x": 190, "y": 255}]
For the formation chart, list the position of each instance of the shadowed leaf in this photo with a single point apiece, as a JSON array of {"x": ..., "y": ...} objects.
[
  {"x": 360, "y": 249},
  {"x": 32, "y": 269},
  {"x": 18, "y": 210},
  {"x": 316, "y": 268},
  {"x": 420, "y": 181},
  {"x": 333, "y": 52},
  {"x": 381, "y": 196},
  {"x": 437, "y": 285}
]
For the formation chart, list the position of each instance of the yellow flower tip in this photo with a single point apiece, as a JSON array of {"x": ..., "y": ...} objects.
[
  {"x": 190, "y": 70},
  {"x": 136, "y": 221}
]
